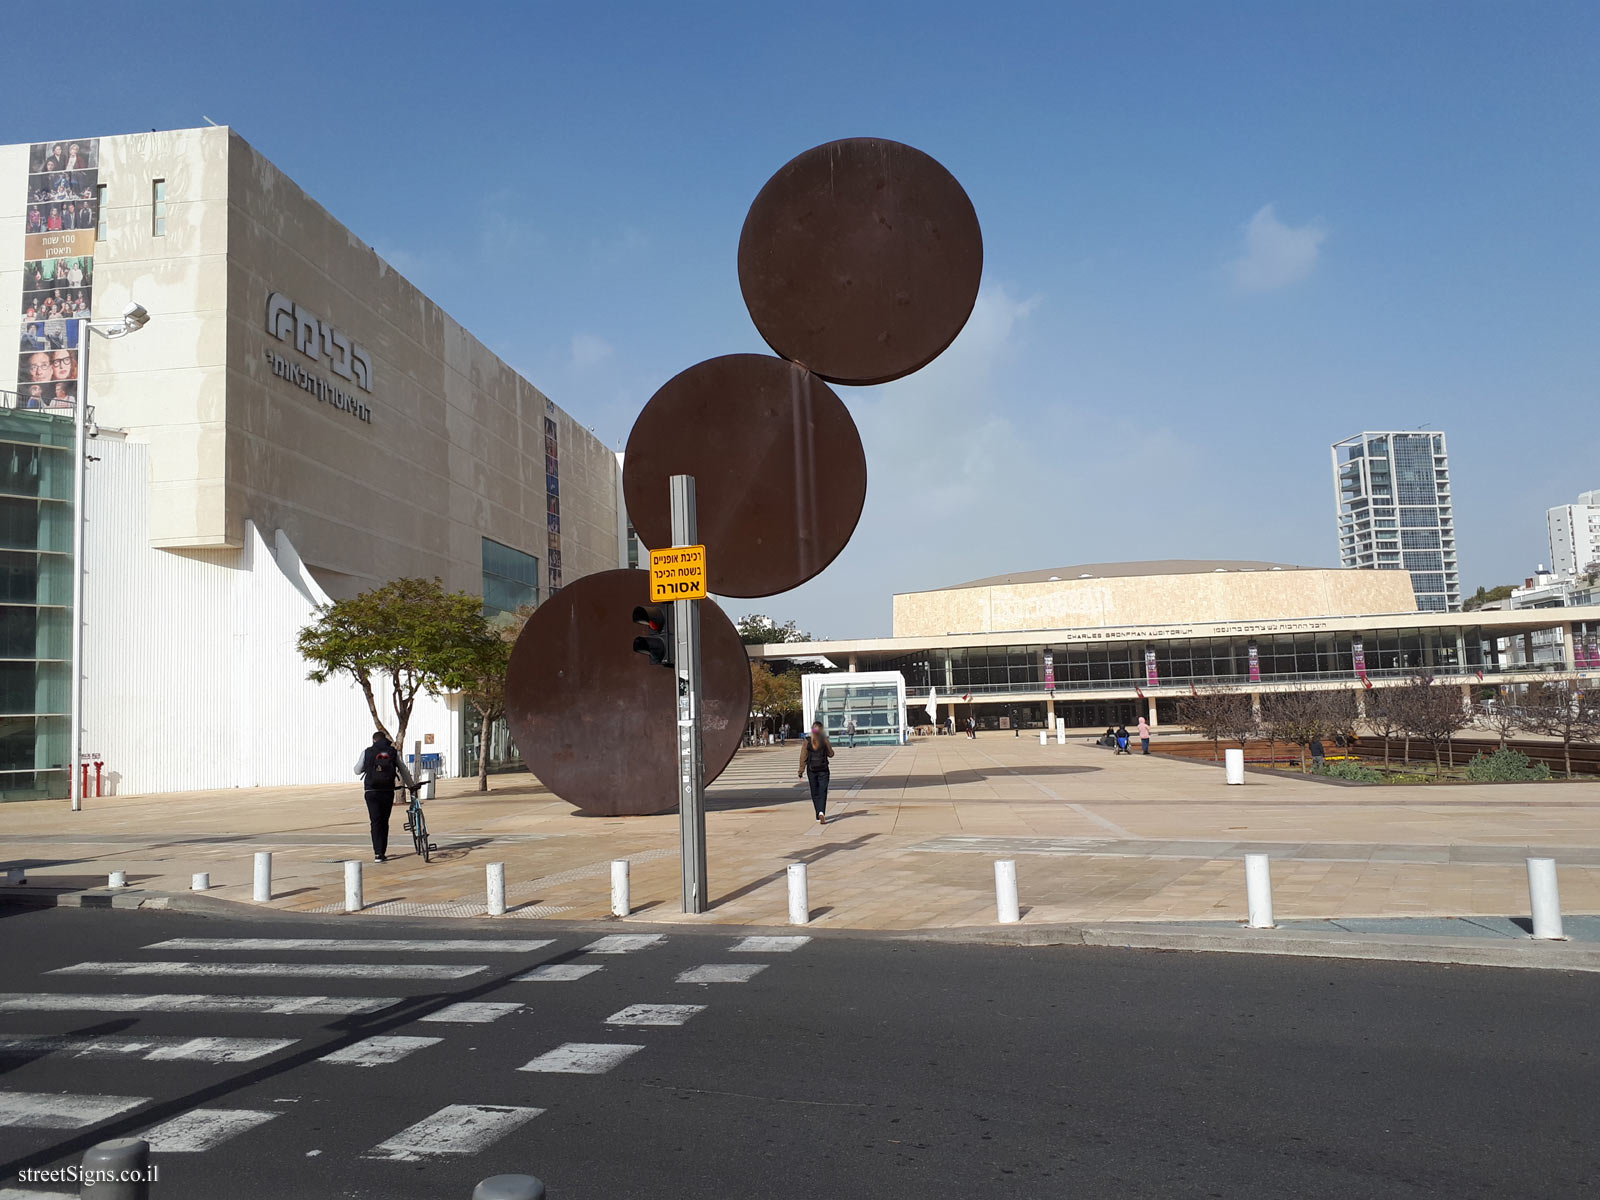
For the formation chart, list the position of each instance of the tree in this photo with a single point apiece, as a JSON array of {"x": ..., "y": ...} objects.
[
  {"x": 1295, "y": 717},
  {"x": 1237, "y": 717},
  {"x": 1432, "y": 711},
  {"x": 772, "y": 693},
  {"x": 1502, "y": 717},
  {"x": 1383, "y": 717},
  {"x": 758, "y": 629},
  {"x": 479, "y": 674},
  {"x": 1564, "y": 709},
  {"x": 1202, "y": 712},
  {"x": 1487, "y": 596},
  {"x": 409, "y": 636}
]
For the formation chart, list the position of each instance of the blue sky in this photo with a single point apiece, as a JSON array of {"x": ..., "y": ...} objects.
[{"x": 1218, "y": 237}]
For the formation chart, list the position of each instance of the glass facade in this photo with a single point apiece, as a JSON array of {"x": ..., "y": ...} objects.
[
  {"x": 510, "y": 579},
  {"x": 1395, "y": 511},
  {"x": 36, "y": 454},
  {"x": 875, "y": 708}
]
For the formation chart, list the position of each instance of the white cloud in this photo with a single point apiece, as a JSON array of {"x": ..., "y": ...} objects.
[
  {"x": 589, "y": 350},
  {"x": 1275, "y": 255}
]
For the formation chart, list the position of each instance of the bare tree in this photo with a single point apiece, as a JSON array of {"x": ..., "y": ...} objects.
[
  {"x": 1383, "y": 716},
  {"x": 1432, "y": 711},
  {"x": 1293, "y": 717},
  {"x": 1236, "y": 717},
  {"x": 1502, "y": 717},
  {"x": 1202, "y": 712},
  {"x": 1563, "y": 708}
]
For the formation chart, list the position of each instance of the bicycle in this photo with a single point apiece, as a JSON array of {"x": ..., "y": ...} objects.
[{"x": 417, "y": 825}]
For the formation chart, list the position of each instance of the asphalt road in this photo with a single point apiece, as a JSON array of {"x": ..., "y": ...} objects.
[{"x": 845, "y": 1067}]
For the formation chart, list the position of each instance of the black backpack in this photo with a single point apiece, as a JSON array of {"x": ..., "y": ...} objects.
[{"x": 382, "y": 771}]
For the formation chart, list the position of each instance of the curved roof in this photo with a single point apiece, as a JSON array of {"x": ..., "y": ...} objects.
[{"x": 1159, "y": 566}]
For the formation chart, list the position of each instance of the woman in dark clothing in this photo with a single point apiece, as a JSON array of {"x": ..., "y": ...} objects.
[
  {"x": 1122, "y": 739},
  {"x": 814, "y": 755}
]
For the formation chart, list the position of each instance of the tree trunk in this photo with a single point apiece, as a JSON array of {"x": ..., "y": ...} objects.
[
  {"x": 1438, "y": 767},
  {"x": 372, "y": 705},
  {"x": 1386, "y": 752},
  {"x": 1566, "y": 753},
  {"x": 485, "y": 727},
  {"x": 1408, "y": 749}
]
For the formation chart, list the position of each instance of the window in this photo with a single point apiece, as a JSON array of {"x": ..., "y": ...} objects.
[
  {"x": 510, "y": 579},
  {"x": 158, "y": 207},
  {"x": 100, "y": 211}
]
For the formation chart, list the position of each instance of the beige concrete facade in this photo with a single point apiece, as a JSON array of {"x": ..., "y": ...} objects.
[
  {"x": 1186, "y": 598},
  {"x": 451, "y": 447}
]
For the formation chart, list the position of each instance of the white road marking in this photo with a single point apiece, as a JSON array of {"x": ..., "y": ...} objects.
[
  {"x": 581, "y": 1058},
  {"x": 124, "y": 1002},
  {"x": 456, "y": 1129},
  {"x": 768, "y": 945},
  {"x": 304, "y": 970},
  {"x": 378, "y": 1051},
  {"x": 624, "y": 943},
  {"x": 150, "y": 1049},
  {"x": 357, "y": 945},
  {"x": 722, "y": 973},
  {"x": 47, "y": 1110},
  {"x": 478, "y": 1012},
  {"x": 654, "y": 1014},
  {"x": 558, "y": 973},
  {"x": 202, "y": 1128}
]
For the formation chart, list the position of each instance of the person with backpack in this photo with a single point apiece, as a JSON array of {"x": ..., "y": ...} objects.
[{"x": 381, "y": 770}]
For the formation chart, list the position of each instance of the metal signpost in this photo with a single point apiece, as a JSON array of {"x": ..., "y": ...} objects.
[{"x": 682, "y": 575}]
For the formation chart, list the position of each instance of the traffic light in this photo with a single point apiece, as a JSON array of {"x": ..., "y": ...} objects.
[{"x": 658, "y": 642}]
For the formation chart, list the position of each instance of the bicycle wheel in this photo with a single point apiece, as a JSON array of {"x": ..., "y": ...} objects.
[{"x": 419, "y": 835}]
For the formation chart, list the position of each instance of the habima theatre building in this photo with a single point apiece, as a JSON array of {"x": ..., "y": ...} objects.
[
  {"x": 297, "y": 422},
  {"x": 1104, "y": 643}
]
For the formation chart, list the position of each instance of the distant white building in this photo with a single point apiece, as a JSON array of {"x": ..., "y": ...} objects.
[{"x": 1574, "y": 534}]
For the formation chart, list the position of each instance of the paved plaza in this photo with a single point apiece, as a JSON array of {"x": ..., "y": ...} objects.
[{"x": 910, "y": 844}]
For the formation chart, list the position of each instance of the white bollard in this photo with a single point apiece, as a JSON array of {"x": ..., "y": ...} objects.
[
  {"x": 1044, "y": 738},
  {"x": 118, "y": 879},
  {"x": 352, "y": 885},
  {"x": 263, "y": 883},
  {"x": 1061, "y": 731},
  {"x": 621, "y": 906},
  {"x": 201, "y": 882},
  {"x": 1258, "y": 890},
  {"x": 1005, "y": 891},
  {"x": 1234, "y": 760},
  {"x": 496, "y": 875},
  {"x": 1545, "y": 899},
  {"x": 799, "y": 895}
]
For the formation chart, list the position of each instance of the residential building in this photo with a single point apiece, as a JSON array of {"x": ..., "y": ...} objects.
[
  {"x": 1392, "y": 499},
  {"x": 1575, "y": 535}
]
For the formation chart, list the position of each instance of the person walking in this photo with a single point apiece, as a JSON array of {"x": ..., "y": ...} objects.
[
  {"x": 815, "y": 752},
  {"x": 1319, "y": 756},
  {"x": 380, "y": 769},
  {"x": 1144, "y": 734},
  {"x": 1122, "y": 739},
  {"x": 972, "y": 728},
  {"x": 850, "y": 731}
]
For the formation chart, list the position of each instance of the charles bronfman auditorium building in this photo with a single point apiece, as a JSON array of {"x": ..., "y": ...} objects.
[
  {"x": 1103, "y": 643},
  {"x": 296, "y": 422}
]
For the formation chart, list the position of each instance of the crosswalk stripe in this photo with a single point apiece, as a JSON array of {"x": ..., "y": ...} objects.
[
  {"x": 722, "y": 973},
  {"x": 478, "y": 1012},
  {"x": 581, "y": 1058},
  {"x": 304, "y": 970},
  {"x": 149, "y": 1049},
  {"x": 359, "y": 945},
  {"x": 126, "y": 1002},
  {"x": 654, "y": 1014},
  {"x": 379, "y": 1050},
  {"x": 22, "y": 1194},
  {"x": 456, "y": 1129},
  {"x": 202, "y": 1129},
  {"x": 558, "y": 973},
  {"x": 47, "y": 1110},
  {"x": 768, "y": 945},
  {"x": 624, "y": 943}
]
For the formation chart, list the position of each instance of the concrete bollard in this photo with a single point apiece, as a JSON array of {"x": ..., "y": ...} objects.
[
  {"x": 1005, "y": 891},
  {"x": 263, "y": 880},
  {"x": 201, "y": 882},
  {"x": 496, "y": 876},
  {"x": 509, "y": 1187},
  {"x": 352, "y": 885},
  {"x": 621, "y": 905},
  {"x": 1234, "y": 760},
  {"x": 1061, "y": 731},
  {"x": 1545, "y": 899},
  {"x": 118, "y": 1170},
  {"x": 799, "y": 895},
  {"x": 117, "y": 879},
  {"x": 1258, "y": 890},
  {"x": 1044, "y": 737}
]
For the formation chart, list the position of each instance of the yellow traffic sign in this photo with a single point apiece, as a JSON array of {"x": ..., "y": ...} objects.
[{"x": 678, "y": 573}]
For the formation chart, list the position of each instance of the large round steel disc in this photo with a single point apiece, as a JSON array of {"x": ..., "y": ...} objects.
[
  {"x": 597, "y": 723},
  {"x": 860, "y": 260},
  {"x": 780, "y": 475}
]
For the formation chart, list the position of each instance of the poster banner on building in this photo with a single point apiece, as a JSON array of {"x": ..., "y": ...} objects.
[
  {"x": 1151, "y": 679},
  {"x": 1358, "y": 656},
  {"x": 1594, "y": 648},
  {"x": 552, "y": 498},
  {"x": 1049, "y": 671},
  {"x": 1255, "y": 662},
  {"x": 61, "y": 215}
]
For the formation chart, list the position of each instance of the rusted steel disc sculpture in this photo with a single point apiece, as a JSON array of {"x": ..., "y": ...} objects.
[
  {"x": 860, "y": 260},
  {"x": 594, "y": 720},
  {"x": 780, "y": 475}
]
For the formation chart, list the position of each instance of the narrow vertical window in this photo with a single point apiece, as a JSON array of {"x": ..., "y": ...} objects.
[
  {"x": 100, "y": 212},
  {"x": 158, "y": 202}
]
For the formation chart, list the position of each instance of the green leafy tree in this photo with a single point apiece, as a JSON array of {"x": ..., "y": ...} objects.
[
  {"x": 407, "y": 637},
  {"x": 479, "y": 674},
  {"x": 758, "y": 629},
  {"x": 773, "y": 694}
]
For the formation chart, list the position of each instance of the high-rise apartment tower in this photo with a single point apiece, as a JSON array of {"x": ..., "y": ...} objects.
[{"x": 1391, "y": 493}]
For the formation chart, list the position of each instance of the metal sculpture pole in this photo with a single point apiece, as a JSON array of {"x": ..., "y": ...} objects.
[{"x": 686, "y": 664}]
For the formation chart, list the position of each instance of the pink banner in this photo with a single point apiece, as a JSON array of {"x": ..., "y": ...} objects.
[
  {"x": 1255, "y": 662},
  {"x": 1049, "y": 671},
  {"x": 1594, "y": 648},
  {"x": 1150, "y": 677},
  {"x": 1359, "y": 654}
]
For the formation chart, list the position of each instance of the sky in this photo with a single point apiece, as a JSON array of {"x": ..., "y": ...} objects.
[{"x": 1217, "y": 237}]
